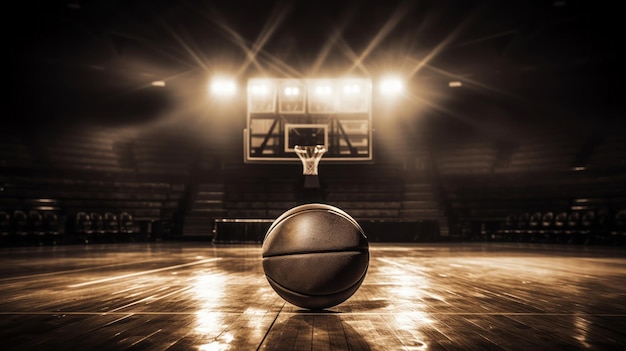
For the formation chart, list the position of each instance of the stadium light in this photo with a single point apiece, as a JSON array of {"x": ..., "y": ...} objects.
[
  {"x": 321, "y": 97},
  {"x": 261, "y": 95},
  {"x": 260, "y": 89},
  {"x": 391, "y": 86},
  {"x": 351, "y": 89},
  {"x": 323, "y": 90},
  {"x": 292, "y": 91},
  {"x": 292, "y": 96},
  {"x": 223, "y": 86},
  {"x": 355, "y": 95}
]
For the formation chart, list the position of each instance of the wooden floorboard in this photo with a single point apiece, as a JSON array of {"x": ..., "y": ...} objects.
[{"x": 199, "y": 296}]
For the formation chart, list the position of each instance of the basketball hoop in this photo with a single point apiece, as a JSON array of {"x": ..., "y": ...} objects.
[{"x": 310, "y": 156}]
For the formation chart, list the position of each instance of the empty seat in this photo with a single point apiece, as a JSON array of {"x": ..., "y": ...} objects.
[
  {"x": 19, "y": 223},
  {"x": 97, "y": 223},
  {"x": 547, "y": 225},
  {"x": 111, "y": 225},
  {"x": 618, "y": 230},
  {"x": 602, "y": 226},
  {"x": 51, "y": 223},
  {"x": 534, "y": 225},
  {"x": 35, "y": 223},
  {"x": 572, "y": 228},
  {"x": 126, "y": 223},
  {"x": 507, "y": 228},
  {"x": 83, "y": 226},
  {"x": 5, "y": 223},
  {"x": 560, "y": 222},
  {"x": 522, "y": 224},
  {"x": 587, "y": 225}
]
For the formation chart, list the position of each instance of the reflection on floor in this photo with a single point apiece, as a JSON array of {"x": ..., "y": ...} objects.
[{"x": 197, "y": 296}]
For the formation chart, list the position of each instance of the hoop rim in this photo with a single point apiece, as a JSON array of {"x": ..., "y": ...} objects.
[
  {"x": 310, "y": 156},
  {"x": 303, "y": 151}
]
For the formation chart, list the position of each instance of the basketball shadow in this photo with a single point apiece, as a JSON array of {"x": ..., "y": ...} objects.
[
  {"x": 314, "y": 330},
  {"x": 307, "y": 311},
  {"x": 366, "y": 305}
]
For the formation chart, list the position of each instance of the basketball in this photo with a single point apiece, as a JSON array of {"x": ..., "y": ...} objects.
[{"x": 315, "y": 256}]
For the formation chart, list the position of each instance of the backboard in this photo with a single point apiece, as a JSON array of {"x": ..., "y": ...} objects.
[{"x": 283, "y": 113}]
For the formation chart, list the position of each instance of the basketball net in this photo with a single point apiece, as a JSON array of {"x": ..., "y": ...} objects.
[{"x": 310, "y": 156}]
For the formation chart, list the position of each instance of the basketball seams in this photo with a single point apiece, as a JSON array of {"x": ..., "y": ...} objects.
[{"x": 338, "y": 250}]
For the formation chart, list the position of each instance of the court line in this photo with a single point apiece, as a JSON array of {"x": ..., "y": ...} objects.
[
  {"x": 269, "y": 329},
  {"x": 146, "y": 337},
  {"x": 143, "y": 272},
  {"x": 77, "y": 270},
  {"x": 334, "y": 313}
]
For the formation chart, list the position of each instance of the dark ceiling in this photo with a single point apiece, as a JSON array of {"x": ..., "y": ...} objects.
[{"x": 96, "y": 59}]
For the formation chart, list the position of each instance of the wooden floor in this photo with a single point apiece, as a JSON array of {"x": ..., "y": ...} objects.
[{"x": 195, "y": 296}]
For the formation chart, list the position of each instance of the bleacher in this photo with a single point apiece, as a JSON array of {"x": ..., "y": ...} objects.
[
  {"x": 160, "y": 152},
  {"x": 14, "y": 152},
  {"x": 70, "y": 185},
  {"x": 259, "y": 198},
  {"x": 374, "y": 195},
  {"x": 205, "y": 204},
  {"x": 367, "y": 198},
  {"x": 610, "y": 153},
  {"x": 543, "y": 150},
  {"x": 146, "y": 202},
  {"x": 244, "y": 204},
  {"x": 471, "y": 157},
  {"x": 88, "y": 149},
  {"x": 486, "y": 203}
]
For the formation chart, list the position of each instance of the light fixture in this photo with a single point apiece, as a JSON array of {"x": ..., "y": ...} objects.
[
  {"x": 292, "y": 91},
  {"x": 261, "y": 95},
  {"x": 223, "y": 86},
  {"x": 390, "y": 86}
]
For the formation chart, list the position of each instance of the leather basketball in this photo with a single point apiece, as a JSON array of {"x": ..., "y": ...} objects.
[{"x": 315, "y": 256}]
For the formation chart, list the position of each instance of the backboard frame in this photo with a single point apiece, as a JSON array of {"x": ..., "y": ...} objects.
[{"x": 346, "y": 121}]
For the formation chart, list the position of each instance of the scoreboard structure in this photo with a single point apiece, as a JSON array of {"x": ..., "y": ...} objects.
[{"x": 333, "y": 113}]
